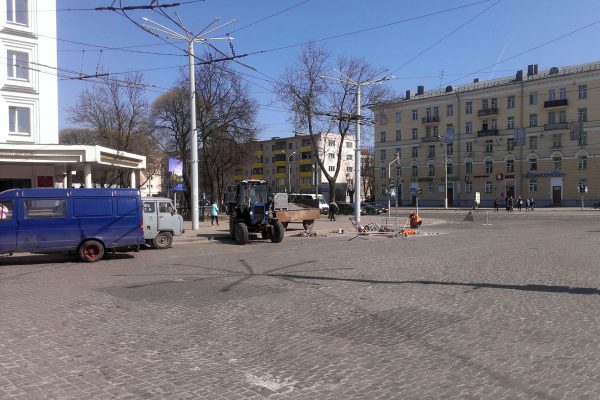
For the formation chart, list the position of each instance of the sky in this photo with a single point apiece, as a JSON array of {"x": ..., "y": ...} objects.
[{"x": 434, "y": 43}]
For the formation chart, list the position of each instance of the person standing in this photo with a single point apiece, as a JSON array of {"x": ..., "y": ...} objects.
[
  {"x": 333, "y": 208},
  {"x": 527, "y": 204},
  {"x": 519, "y": 202},
  {"x": 214, "y": 213},
  {"x": 496, "y": 205},
  {"x": 531, "y": 203}
]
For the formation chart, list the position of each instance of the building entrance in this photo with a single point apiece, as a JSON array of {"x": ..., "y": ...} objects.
[{"x": 556, "y": 195}]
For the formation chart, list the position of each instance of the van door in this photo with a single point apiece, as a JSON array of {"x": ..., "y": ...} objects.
[
  {"x": 167, "y": 220},
  {"x": 45, "y": 226},
  {"x": 150, "y": 219},
  {"x": 8, "y": 227}
]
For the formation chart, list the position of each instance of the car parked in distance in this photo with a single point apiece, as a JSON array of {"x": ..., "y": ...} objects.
[
  {"x": 370, "y": 209},
  {"x": 382, "y": 209},
  {"x": 347, "y": 209}
]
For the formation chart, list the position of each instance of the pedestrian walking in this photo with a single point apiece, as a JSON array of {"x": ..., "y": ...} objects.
[
  {"x": 214, "y": 213},
  {"x": 506, "y": 203},
  {"x": 531, "y": 203},
  {"x": 511, "y": 203},
  {"x": 496, "y": 204},
  {"x": 527, "y": 204},
  {"x": 333, "y": 209},
  {"x": 519, "y": 202}
]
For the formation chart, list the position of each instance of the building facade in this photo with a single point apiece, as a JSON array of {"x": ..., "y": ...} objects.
[
  {"x": 289, "y": 164},
  {"x": 535, "y": 134},
  {"x": 30, "y": 155}
]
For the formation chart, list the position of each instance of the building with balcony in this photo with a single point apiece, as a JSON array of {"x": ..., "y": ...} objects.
[
  {"x": 534, "y": 135},
  {"x": 289, "y": 164},
  {"x": 30, "y": 155}
]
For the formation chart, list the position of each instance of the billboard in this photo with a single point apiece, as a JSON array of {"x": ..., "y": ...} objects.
[{"x": 175, "y": 170}]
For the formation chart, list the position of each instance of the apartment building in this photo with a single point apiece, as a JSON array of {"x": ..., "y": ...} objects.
[
  {"x": 535, "y": 134},
  {"x": 289, "y": 164},
  {"x": 30, "y": 155}
]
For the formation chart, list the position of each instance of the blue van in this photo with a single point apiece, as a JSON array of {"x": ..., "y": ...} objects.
[{"x": 89, "y": 221}]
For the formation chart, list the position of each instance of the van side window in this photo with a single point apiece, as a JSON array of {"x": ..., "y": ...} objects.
[
  {"x": 6, "y": 209},
  {"x": 45, "y": 208},
  {"x": 149, "y": 207},
  {"x": 165, "y": 207}
]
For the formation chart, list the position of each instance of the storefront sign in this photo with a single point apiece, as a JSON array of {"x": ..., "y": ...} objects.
[
  {"x": 509, "y": 177},
  {"x": 481, "y": 176},
  {"x": 553, "y": 174},
  {"x": 499, "y": 177}
]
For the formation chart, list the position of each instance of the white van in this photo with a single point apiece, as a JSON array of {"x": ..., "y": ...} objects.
[{"x": 311, "y": 199}]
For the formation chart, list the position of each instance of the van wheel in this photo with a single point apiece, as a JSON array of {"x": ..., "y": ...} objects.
[
  {"x": 163, "y": 240},
  {"x": 91, "y": 251},
  {"x": 278, "y": 232}
]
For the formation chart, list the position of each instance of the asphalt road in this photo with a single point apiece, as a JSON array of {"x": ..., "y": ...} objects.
[{"x": 506, "y": 307}]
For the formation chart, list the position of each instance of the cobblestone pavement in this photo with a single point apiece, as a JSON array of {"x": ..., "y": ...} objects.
[{"x": 503, "y": 308}]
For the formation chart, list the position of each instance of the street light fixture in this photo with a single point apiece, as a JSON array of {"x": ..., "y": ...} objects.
[
  {"x": 290, "y": 172},
  {"x": 357, "y": 160},
  {"x": 190, "y": 38}
]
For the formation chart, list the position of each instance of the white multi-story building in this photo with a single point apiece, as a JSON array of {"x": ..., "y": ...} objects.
[{"x": 30, "y": 155}]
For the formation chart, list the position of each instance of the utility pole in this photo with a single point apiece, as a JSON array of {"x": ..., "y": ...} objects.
[
  {"x": 396, "y": 158},
  {"x": 190, "y": 38},
  {"x": 357, "y": 160}
]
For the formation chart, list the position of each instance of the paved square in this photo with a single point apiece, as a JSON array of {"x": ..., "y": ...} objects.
[{"x": 508, "y": 310}]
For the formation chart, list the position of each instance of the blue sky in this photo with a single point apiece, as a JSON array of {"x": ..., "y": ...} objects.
[{"x": 443, "y": 48}]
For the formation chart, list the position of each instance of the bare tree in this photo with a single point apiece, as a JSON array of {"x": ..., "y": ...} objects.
[
  {"x": 367, "y": 171},
  {"x": 116, "y": 112},
  {"x": 318, "y": 106}
]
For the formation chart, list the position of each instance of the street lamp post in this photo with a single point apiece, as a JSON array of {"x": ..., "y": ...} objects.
[
  {"x": 190, "y": 38},
  {"x": 290, "y": 172},
  {"x": 357, "y": 160}
]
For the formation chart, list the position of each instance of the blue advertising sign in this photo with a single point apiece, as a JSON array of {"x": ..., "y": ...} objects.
[{"x": 175, "y": 170}]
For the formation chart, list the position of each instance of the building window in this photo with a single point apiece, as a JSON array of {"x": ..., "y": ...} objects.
[
  {"x": 449, "y": 110},
  {"x": 582, "y": 114},
  {"x": 383, "y": 190},
  {"x": 19, "y": 120},
  {"x": 489, "y": 146},
  {"x": 349, "y": 144},
  {"x": 551, "y": 118},
  {"x": 484, "y": 104},
  {"x": 469, "y": 107},
  {"x": 469, "y": 127},
  {"x": 398, "y": 170},
  {"x": 533, "y": 142},
  {"x": 489, "y": 167},
  {"x": 382, "y": 136},
  {"x": 431, "y": 150},
  {"x": 533, "y": 98},
  {"x": 18, "y": 65},
  {"x": 469, "y": 147},
  {"x": 510, "y": 122},
  {"x": 414, "y": 171},
  {"x": 582, "y": 162},
  {"x": 468, "y": 187},
  {"x": 510, "y": 102},
  {"x": 533, "y": 164},
  {"x": 430, "y": 187},
  {"x": 488, "y": 186},
  {"x": 398, "y": 117},
  {"x": 556, "y": 162},
  {"x": 494, "y": 124},
  {"x": 436, "y": 111},
  {"x": 415, "y": 115},
  {"x": 349, "y": 169},
  {"x": 551, "y": 95},
  {"x": 562, "y": 117},
  {"x": 331, "y": 156},
  {"x": 449, "y": 149},
  {"x": 435, "y": 131},
  {"x": 415, "y": 152},
  {"x": 398, "y": 152},
  {"x": 562, "y": 93},
  {"x": 582, "y": 92},
  {"x": 494, "y": 103},
  {"x": 532, "y": 120},
  {"x": 331, "y": 168},
  {"x": 415, "y": 133},
  {"x": 431, "y": 170},
  {"x": 510, "y": 165},
  {"x": 556, "y": 140},
  {"x": 332, "y": 142},
  {"x": 449, "y": 168},
  {"x": 382, "y": 172},
  {"x": 383, "y": 154},
  {"x": 349, "y": 157},
  {"x": 427, "y": 131},
  {"x": 510, "y": 144},
  {"x": 17, "y": 11},
  {"x": 398, "y": 136},
  {"x": 533, "y": 185},
  {"x": 468, "y": 167}
]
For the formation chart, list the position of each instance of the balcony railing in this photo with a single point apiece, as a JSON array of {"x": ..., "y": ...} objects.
[
  {"x": 487, "y": 111},
  {"x": 431, "y": 119},
  {"x": 487, "y": 132},
  {"x": 428, "y": 139},
  {"x": 556, "y": 103},
  {"x": 554, "y": 127}
]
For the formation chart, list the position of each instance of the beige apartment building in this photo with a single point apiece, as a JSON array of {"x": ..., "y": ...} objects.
[
  {"x": 289, "y": 165},
  {"x": 535, "y": 134}
]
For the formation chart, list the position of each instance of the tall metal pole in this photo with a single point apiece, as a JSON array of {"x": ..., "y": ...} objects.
[
  {"x": 193, "y": 139},
  {"x": 357, "y": 160},
  {"x": 445, "y": 176}
]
